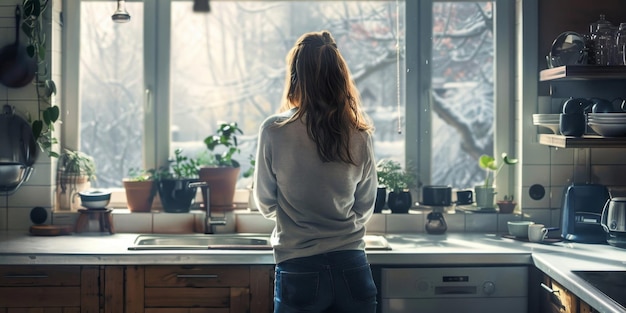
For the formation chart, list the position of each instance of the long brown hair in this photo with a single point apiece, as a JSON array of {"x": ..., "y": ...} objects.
[{"x": 320, "y": 86}]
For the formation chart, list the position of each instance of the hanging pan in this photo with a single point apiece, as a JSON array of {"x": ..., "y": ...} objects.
[
  {"x": 17, "y": 69},
  {"x": 18, "y": 150}
]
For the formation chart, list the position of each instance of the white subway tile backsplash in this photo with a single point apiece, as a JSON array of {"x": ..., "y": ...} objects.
[
  {"x": 610, "y": 175},
  {"x": 481, "y": 222},
  {"x": 608, "y": 156},
  {"x": 530, "y": 203},
  {"x": 252, "y": 222},
  {"x": 535, "y": 174},
  {"x": 561, "y": 175},
  {"x": 126, "y": 222},
  {"x": 173, "y": 223},
  {"x": 540, "y": 216},
  {"x": 30, "y": 196},
  {"x": 405, "y": 223},
  {"x": 561, "y": 156},
  {"x": 455, "y": 222},
  {"x": 19, "y": 219}
]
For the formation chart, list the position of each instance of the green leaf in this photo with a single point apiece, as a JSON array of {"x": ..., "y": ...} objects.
[
  {"x": 51, "y": 88},
  {"x": 37, "y": 127},
  {"x": 30, "y": 51},
  {"x": 487, "y": 162},
  {"x": 32, "y": 8}
]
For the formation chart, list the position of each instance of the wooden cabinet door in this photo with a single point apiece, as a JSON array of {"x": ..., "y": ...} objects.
[
  {"x": 48, "y": 289},
  {"x": 198, "y": 289}
]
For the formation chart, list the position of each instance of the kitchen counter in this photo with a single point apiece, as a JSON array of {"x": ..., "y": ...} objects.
[{"x": 557, "y": 260}]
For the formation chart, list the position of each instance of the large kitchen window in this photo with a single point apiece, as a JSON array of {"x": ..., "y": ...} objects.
[{"x": 426, "y": 71}]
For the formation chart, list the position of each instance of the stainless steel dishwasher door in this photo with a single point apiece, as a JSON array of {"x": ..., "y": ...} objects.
[{"x": 455, "y": 289}]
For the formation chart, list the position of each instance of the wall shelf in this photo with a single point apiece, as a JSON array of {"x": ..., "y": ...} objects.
[
  {"x": 583, "y": 72},
  {"x": 587, "y": 141}
]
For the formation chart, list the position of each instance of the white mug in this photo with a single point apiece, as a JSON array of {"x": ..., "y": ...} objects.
[{"x": 537, "y": 232}]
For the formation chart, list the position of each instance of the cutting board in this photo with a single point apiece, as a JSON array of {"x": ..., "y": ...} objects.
[{"x": 51, "y": 230}]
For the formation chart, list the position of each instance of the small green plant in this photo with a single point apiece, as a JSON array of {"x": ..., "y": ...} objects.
[
  {"x": 139, "y": 174},
  {"x": 250, "y": 171},
  {"x": 77, "y": 163},
  {"x": 181, "y": 167},
  {"x": 489, "y": 164},
  {"x": 227, "y": 138},
  {"x": 508, "y": 198},
  {"x": 392, "y": 176}
]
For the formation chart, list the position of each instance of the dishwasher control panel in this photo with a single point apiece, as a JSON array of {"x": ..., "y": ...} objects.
[{"x": 455, "y": 289}]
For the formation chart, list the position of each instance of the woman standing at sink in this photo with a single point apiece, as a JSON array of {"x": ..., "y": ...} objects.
[{"x": 315, "y": 176}]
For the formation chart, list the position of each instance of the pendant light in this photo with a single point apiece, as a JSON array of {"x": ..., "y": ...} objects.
[{"x": 121, "y": 15}]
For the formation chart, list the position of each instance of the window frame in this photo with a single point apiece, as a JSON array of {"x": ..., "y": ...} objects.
[{"x": 417, "y": 89}]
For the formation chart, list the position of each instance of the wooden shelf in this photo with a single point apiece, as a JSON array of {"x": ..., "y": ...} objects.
[
  {"x": 583, "y": 72},
  {"x": 589, "y": 141}
]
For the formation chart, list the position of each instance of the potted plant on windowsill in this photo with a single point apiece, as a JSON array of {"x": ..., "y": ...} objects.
[
  {"x": 75, "y": 172},
  {"x": 220, "y": 171},
  {"x": 173, "y": 183},
  {"x": 140, "y": 189},
  {"x": 398, "y": 182},
  {"x": 507, "y": 205},
  {"x": 485, "y": 193}
]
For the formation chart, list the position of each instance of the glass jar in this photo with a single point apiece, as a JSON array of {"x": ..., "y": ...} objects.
[
  {"x": 603, "y": 37},
  {"x": 620, "y": 40}
]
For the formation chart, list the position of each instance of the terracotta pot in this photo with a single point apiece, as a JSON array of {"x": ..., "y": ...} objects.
[
  {"x": 506, "y": 206},
  {"x": 139, "y": 195},
  {"x": 222, "y": 182}
]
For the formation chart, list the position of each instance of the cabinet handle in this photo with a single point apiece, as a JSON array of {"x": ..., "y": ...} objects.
[
  {"x": 26, "y": 276},
  {"x": 554, "y": 298},
  {"x": 196, "y": 276}
]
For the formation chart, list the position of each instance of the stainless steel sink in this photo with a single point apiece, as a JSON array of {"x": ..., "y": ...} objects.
[
  {"x": 224, "y": 242},
  {"x": 202, "y": 242}
]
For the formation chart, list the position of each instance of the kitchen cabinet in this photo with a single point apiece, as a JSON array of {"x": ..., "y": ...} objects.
[
  {"x": 198, "y": 288},
  {"x": 584, "y": 81},
  {"x": 35, "y": 288},
  {"x": 557, "y": 299}
]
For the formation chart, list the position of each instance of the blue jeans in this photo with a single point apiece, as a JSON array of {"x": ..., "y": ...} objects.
[{"x": 335, "y": 282}]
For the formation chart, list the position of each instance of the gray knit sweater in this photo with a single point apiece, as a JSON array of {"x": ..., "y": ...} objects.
[{"x": 318, "y": 207}]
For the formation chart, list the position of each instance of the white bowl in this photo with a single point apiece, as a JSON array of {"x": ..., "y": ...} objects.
[
  {"x": 553, "y": 126},
  {"x": 95, "y": 199},
  {"x": 608, "y": 129},
  {"x": 519, "y": 228}
]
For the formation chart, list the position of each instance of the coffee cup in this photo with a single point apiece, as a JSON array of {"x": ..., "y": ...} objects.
[
  {"x": 464, "y": 197},
  {"x": 537, "y": 232}
]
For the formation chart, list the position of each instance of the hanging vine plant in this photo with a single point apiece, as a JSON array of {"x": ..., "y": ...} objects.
[{"x": 47, "y": 112}]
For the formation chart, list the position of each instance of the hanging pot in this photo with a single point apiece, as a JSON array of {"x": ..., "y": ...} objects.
[
  {"x": 18, "y": 150},
  {"x": 17, "y": 69}
]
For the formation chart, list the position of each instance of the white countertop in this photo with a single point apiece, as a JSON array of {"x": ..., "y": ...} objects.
[{"x": 558, "y": 260}]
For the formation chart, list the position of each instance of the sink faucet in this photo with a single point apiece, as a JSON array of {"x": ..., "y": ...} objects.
[{"x": 208, "y": 221}]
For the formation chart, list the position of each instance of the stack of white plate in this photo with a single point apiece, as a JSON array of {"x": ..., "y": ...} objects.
[
  {"x": 550, "y": 121},
  {"x": 608, "y": 124}
]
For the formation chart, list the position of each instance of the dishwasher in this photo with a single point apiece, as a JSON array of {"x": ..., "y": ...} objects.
[{"x": 455, "y": 289}]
